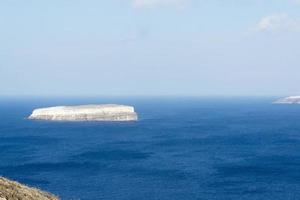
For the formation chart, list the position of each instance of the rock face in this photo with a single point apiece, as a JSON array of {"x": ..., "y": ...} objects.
[
  {"x": 11, "y": 190},
  {"x": 289, "y": 100},
  {"x": 104, "y": 112}
]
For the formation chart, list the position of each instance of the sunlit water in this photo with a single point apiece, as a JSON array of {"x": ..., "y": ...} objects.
[{"x": 180, "y": 149}]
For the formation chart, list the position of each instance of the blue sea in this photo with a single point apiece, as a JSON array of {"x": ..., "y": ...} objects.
[{"x": 182, "y": 148}]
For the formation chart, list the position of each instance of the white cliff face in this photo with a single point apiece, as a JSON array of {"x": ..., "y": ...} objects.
[
  {"x": 105, "y": 112},
  {"x": 289, "y": 100}
]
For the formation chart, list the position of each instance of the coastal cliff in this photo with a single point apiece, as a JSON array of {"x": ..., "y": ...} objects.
[
  {"x": 104, "y": 112},
  {"x": 11, "y": 190},
  {"x": 289, "y": 100}
]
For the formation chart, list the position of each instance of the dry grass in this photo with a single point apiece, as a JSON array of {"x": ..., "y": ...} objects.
[{"x": 11, "y": 190}]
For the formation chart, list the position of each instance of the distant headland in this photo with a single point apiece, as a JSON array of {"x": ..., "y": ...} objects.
[
  {"x": 100, "y": 112},
  {"x": 289, "y": 100}
]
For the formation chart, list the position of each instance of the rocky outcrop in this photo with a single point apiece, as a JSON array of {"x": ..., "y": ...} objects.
[
  {"x": 289, "y": 100},
  {"x": 105, "y": 112},
  {"x": 11, "y": 190}
]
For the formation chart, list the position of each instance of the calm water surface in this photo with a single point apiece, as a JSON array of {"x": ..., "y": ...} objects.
[{"x": 181, "y": 148}]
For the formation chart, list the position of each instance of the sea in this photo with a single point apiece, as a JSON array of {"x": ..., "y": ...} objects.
[{"x": 181, "y": 148}]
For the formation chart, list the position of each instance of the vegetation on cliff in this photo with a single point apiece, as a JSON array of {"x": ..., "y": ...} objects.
[{"x": 11, "y": 190}]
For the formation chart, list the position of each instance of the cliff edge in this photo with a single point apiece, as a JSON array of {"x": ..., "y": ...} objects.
[
  {"x": 104, "y": 112},
  {"x": 11, "y": 190}
]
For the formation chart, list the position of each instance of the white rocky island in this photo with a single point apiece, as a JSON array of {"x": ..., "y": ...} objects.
[
  {"x": 102, "y": 112},
  {"x": 289, "y": 100}
]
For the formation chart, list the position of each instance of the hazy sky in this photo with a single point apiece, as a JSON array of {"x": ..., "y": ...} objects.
[{"x": 150, "y": 47}]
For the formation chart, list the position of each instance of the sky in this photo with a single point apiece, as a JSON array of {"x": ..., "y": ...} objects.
[{"x": 149, "y": 47}]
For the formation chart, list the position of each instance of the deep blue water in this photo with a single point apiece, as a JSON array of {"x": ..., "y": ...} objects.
[{"x": 180, "y": 149}]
